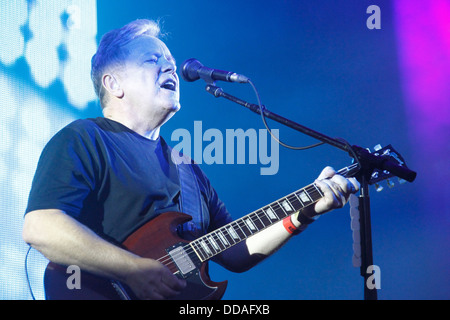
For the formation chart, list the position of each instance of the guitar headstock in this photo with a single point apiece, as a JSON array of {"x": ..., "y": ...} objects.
[
  {"x": 378, "y": 175},
  {"x": 383, "y": 164}
]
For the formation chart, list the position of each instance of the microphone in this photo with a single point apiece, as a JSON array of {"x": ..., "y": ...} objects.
[{"x": 192, "y": 70}]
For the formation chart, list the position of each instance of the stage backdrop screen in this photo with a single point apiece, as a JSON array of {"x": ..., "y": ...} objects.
[{"x": 45, "y": 52}]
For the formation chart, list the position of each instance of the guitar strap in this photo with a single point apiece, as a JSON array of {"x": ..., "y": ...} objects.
[{"x": 190, "y": 198}]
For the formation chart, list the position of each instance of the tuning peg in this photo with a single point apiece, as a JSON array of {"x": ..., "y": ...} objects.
[
  {"x": 375, "y": 175},
  {"x": 390, "y": 183},
  {"x": 377, "y": 147},
  {"x": 378, "y": 187}
]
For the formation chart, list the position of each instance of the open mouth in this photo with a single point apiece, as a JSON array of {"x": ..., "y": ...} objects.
[{"x": 169, "y": 85}]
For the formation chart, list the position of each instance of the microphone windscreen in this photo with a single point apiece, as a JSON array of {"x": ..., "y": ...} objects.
[{"x": 189, "y": 70}]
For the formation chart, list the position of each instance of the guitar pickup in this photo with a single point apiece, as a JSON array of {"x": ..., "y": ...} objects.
[{"x": 182, "y": 259}]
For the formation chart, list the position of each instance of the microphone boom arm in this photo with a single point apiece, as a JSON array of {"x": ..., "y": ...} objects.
[
  {"x": 218, "y": 92},
  {"x": 363, "y": 156}
]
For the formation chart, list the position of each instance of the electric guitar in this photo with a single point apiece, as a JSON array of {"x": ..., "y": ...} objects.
[{"x": 158, "y": 239}]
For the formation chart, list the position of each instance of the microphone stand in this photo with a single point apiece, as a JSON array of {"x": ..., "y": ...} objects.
[{"x": 368, "y": 162}]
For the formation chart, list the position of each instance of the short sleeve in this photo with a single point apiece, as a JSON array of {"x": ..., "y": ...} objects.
[{"x": 64, "y": 177}]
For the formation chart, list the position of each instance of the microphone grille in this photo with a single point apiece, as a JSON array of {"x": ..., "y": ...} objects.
[{"x": 189, "y": 69}]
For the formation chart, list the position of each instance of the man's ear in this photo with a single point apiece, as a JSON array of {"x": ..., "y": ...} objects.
[{"x": 110, "y": 83}]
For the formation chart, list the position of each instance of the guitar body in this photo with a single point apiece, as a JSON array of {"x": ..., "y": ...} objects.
[{"x": 153, "y": 240}]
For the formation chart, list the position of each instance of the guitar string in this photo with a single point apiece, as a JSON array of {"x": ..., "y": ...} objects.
[
  {"x": 168, "y": 260},
  {"x": 202, "y": 253},
  {"x": 241, "y": 223},
  {"x": 255, "y": 217}
]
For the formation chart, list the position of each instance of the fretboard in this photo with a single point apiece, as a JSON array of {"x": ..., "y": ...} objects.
[{"x": 231, "y": 234}]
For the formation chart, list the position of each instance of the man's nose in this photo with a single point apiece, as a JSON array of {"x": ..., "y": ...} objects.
[{"x": 168, "y": 66}]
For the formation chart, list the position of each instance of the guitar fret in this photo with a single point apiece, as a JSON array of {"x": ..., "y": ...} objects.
[
  {"x": 206, "y": 252},
  {"x": 308, "y": 194},
  {"x": 200, "y": 253},
  {"x": 286, "y": 205},
  {"x": 222, "y": 239},
  {"x": 295, "y": 202},
  {"x": 240, "y": 230},
  {"x": 265, "y": 219},
  {"x": 318, "y": 190},
  {"x": 282, "y": 213},
  {"x": 232, "y": 233},
  {"x": 205, "y": 247},
  {"x": 299, "y": 200},
  {"x": 228, "y": 237},
  {"x": 251, "y": 226},
  {"x": 214, "y": 243},
  {"x": 304, "y": 197},
  {"x": 276, "y": 210},
  {"x": 258, "y": 222},
  {"x": 271, "y": 213}
]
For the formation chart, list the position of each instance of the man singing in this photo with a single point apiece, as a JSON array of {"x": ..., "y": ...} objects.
[{"x": 99, "y": 179}]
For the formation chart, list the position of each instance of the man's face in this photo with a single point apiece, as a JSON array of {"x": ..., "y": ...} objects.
[{"x": 148, "y": 79}]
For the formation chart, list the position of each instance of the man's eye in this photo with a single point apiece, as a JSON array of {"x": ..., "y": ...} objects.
[{"x": 152, "y": 60}]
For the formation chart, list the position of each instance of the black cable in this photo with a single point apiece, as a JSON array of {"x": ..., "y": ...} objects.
[
  {"x": 353, "y": 153},
  {"x": 262, "y": 108},
  {"x": 26, "y": 273}
]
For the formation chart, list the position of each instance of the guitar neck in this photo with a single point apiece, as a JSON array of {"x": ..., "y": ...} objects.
[{"x": 219, "y": 240}]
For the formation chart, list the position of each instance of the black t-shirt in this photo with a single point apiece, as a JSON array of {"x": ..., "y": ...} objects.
[{"x": 112, "y": 179}]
